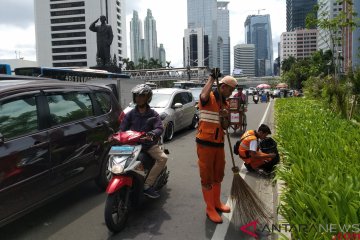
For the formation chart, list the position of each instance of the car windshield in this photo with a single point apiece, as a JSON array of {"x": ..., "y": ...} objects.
[
  {"x": 196, "y": 93},
  {"x": 160, "y": 100}
]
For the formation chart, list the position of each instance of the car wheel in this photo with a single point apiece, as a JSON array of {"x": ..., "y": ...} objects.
[
  {"x": 195, "y": 122},
  {"x": 169, "y": 131},
  {"x": 105, "y": 175}
]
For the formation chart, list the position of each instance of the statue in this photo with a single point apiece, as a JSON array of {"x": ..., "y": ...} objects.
[{"x": 104, "y": 39}]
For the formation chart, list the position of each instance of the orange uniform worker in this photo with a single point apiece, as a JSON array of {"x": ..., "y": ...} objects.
[
  {"x": 249, "y": 149},
  {"x": 210, "y": 144}
]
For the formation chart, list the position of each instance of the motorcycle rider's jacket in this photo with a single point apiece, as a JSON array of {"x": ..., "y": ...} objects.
[
  {"x": 244, "y": 145},
  {"x": 136, "y": 121},
  {"x": 210, "y": 132}
]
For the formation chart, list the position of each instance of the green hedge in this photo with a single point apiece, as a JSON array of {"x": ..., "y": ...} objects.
[{"x": 321, "y": 167}]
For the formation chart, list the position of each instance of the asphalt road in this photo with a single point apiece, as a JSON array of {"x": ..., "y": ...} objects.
[{"x": 178, "y": 214}]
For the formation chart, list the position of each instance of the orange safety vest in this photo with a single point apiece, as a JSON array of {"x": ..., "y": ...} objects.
[
  {"x": 210, "y": 131},
  {"x": 244, "y": 146}
]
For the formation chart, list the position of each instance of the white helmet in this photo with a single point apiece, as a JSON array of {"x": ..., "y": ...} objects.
[{"x": 142, "y": 89}]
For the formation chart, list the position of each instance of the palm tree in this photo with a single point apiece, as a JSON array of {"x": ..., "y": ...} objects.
[
  {"x": 143, "y": 63},
  {"x": 126, "y": 63},
  {"x": 168, "y": 64}
]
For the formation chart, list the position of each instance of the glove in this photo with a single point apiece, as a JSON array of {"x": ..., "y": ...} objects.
[{"x": 215, "y": 73}]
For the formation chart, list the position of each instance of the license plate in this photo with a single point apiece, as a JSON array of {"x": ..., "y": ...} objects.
[{"x": 126, "y": 150}]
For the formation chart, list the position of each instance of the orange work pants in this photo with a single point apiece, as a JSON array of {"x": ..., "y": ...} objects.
[
  {"x": 256, "y": 163},
  {"x": 211, "y": 164}
]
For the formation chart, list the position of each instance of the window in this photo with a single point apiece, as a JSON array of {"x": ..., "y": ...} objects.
[
  {"x": 67, "y": 20},
  {"x": 69, "y": 57},
  {"x": 67, "y": 5},
  {"x": 68, "y": 42},
  {"x": 177, "y": 99},
  {"x": 18, "y": 117},
  {"x": 186, "y": 98},
  {"x": 104, "y": 101},
  {"x": 70, "y": 64},
  {"x": 68, "y": 107},
  {"x": 68, "y": 35},
  {"x": 67, "y": 12},
  {"x": 70, "y": 49},
  {"x": 68, "y": 27}
]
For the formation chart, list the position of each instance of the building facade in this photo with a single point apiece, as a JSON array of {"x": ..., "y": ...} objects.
[
  {"x": 196, "y": 48},
  {"x": 299, "y": 43},
  {"x": 150, "y": 37},
  {"x": 355, "y": 49},
  {"x": 162, "y": 55},
  {"x": 244, "y": 59},
  {"x": 258, "y": 32},
  {"x": 296, "y": 11},
  {"x": 223, "y": 22},
  {"x": 64, "y": 38},
  {"x": 203, "y": 14},
  {"x": 328, "y": 10},
  {"x": 135, "y": 38}
]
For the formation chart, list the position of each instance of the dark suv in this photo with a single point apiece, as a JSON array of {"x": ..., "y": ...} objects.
[{"x": 53, "y": 136}]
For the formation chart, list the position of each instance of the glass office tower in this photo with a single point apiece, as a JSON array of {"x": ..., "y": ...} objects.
[
  {"x": 258, "y": 32},
  {"x": 296, "y": 11}
]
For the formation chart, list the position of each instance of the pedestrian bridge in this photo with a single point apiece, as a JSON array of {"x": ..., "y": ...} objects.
[{"x": 165, "y": 77}]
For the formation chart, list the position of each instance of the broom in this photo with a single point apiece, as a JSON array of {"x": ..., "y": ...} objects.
[{"x": 247, "y": 205}]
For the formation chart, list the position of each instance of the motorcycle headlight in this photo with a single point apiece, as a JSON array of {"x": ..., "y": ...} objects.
[
  {"x": 117, "y": 169},
  {"x": 117, "y": 163}
]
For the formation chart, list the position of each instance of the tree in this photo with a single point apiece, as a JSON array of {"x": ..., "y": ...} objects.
[
  {"x": 143, "y": 63},
  {"x": 168, "y": 64},
  {"x": 333, "y": 27},
  {"x": 126, "y": 63}
]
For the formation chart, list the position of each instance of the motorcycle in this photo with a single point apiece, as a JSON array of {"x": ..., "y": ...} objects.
[
  {"x": 256, "y": 98},
  {"x": 129, "y": 167}
]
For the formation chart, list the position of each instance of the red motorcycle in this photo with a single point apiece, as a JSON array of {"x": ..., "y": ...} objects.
[{"x": 129, "y": 167}]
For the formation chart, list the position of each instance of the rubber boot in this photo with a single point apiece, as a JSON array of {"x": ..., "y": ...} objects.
[
  {"x": 211, "y": 213},
  {"x": 218, "y": 205}
]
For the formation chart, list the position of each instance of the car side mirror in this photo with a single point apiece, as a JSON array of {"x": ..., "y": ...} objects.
[{"x": 178, "y": 105}]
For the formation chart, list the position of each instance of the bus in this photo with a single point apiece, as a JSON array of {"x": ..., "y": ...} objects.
[
  {"x": 120, "y": 84},
  {"x": 68, "y": 74},
  {"x": 5, "y": 69}
]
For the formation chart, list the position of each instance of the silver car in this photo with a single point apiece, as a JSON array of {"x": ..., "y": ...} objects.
[{"x": 176, "y": 108}]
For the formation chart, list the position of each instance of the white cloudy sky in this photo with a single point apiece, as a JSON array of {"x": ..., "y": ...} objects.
[{"x": 17, "y": 32}]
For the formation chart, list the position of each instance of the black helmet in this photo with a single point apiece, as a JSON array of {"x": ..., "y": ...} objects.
[{"x": 142, "y": 89}]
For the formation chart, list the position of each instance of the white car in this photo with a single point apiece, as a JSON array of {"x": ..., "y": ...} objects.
[{"x": 176, "y": 108}]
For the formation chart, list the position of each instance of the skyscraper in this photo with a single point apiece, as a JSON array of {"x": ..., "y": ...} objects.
[
  {"x": 296, "y": 11},
  {"x": 65, "y": 40},
  {"x": 196, "y": 48},
  {"x": 203, "y": 14},
  {"x": 258, "y": 32},
  {"x": 355, "y": 39},
  {"x": 223, "y": 22},
  {"x": 151, "y": 49},
  {"x": 135, "y": 38},
  {"x": 162, "y": 55},
  {"x": 244, "y": 59}
]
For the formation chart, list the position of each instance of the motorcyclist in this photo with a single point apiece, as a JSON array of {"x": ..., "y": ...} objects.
[
  {"x": 240, "y": 95},
  {"x": 136, "y": 120}
]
